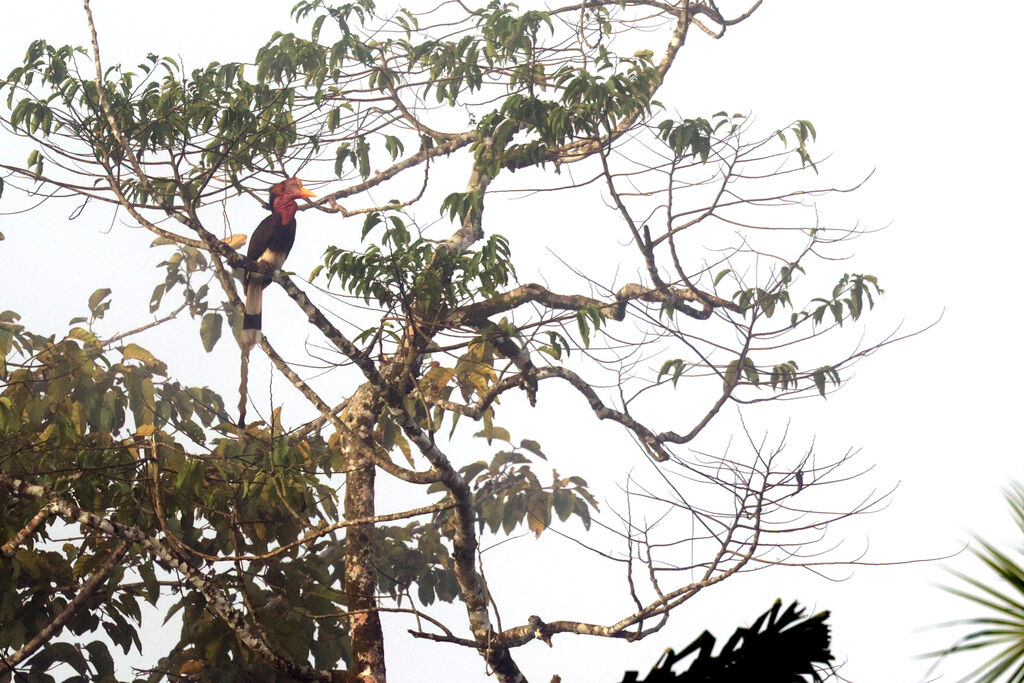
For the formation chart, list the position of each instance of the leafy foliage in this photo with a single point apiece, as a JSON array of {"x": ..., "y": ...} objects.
[
  {"x": 242, "y": 532},
  {"x": 116, "y": 434},
  {"x": 402, "y": 270},
  {"x": 507, "y": 492}
]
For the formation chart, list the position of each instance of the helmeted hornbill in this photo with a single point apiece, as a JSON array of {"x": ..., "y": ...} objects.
[{"x": 270, "y": 243}]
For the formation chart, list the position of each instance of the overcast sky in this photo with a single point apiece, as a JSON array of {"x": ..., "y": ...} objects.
[{"x": 922, "y": 92}]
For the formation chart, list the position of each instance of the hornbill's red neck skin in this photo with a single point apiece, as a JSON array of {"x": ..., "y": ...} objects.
[
  {"x": 286, "y": 207},
  {"x": 284, "y": 195}
]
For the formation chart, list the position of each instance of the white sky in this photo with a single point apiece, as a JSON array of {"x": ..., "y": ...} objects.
[{"x": 921, "y": 91}]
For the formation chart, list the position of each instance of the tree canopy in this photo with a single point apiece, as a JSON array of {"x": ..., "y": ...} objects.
[{"x": 691, "y": 273}]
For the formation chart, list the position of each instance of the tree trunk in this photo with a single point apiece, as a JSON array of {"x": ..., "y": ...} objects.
[{"x": 360, "y": 575}]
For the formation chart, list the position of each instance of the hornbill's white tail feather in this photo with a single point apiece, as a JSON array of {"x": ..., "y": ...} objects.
[{"x": 253, "y": 321}]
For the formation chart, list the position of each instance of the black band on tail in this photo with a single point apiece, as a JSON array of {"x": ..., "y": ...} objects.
[{"x": 253, "y": 321}]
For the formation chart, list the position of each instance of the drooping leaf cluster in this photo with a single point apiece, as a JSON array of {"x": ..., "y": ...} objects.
[
  {"x": 416, "y": 275},
  {"x": 507, "y": 492}
]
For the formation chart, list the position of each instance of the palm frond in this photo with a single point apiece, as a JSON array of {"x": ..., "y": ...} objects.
[{"x": 1002, "y": 594}]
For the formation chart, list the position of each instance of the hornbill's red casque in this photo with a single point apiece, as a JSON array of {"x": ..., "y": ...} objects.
[{"x": 270, "y": 243}]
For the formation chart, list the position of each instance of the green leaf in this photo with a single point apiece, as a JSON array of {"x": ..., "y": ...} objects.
[
  {"x": 583, "y": 512},
  {"x": 584, "y": 327},
  {"x": 175, "y": 608},
  {"x": 564, "y": 503},
  {"x": 538, "y": 511},
  {"x": 100, "y": 658},
  {"x": 512, "y": 514},
  {"x": 394, "y": 146},
  {"x": 146, "y": 411},
  {"x": 97, "y": 305},
  {"x": 317, "y": 25},
  {"x": 533, "y": 447},
  {"x": 189, "y": 475},
  {"x": 473, "y": 469},
  {"x": 209, "y": 330},
  {"x": 155, "y": 298},
  {"x": 425, "y": 589},
  {"x": 135, "y": 352},
  {"x": 194, "y": 431},
  {"x": 732, "y": 373},
  {"x": 819, "y": 381},
  {"x": 149, "y": 580},
  {"x": 85, "y": 335},
  {"x": 59, "y": 652},
  {"x": 675, "y": 366},
  {"x": 96, "y": 297},
  {"x": 750, "y": 371},
  {"x": 491, "y": 432}
]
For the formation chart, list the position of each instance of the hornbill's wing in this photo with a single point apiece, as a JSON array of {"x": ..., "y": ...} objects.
[
  {"x": 270, "y": 243},
  {"x": 261, "y": 239}
]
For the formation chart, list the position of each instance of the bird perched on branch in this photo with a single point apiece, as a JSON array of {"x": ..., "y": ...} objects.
[{"x": 270, "y": 243}]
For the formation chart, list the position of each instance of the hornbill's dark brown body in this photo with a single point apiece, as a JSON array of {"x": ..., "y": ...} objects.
[{"x": 270, "y": 244}]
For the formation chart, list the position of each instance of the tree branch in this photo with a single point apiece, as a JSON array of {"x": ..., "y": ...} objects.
[
  {"x": 11, "y": 546},
  {"x": 534, "y": 293},
  {"x": 105, "y": 105}
]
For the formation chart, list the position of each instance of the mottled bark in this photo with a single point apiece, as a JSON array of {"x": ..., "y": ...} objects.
[{"x": 360, "y": 575}]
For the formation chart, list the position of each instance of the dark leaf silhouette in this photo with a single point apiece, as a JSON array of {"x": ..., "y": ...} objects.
[{"x": 788, "y": 648}]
